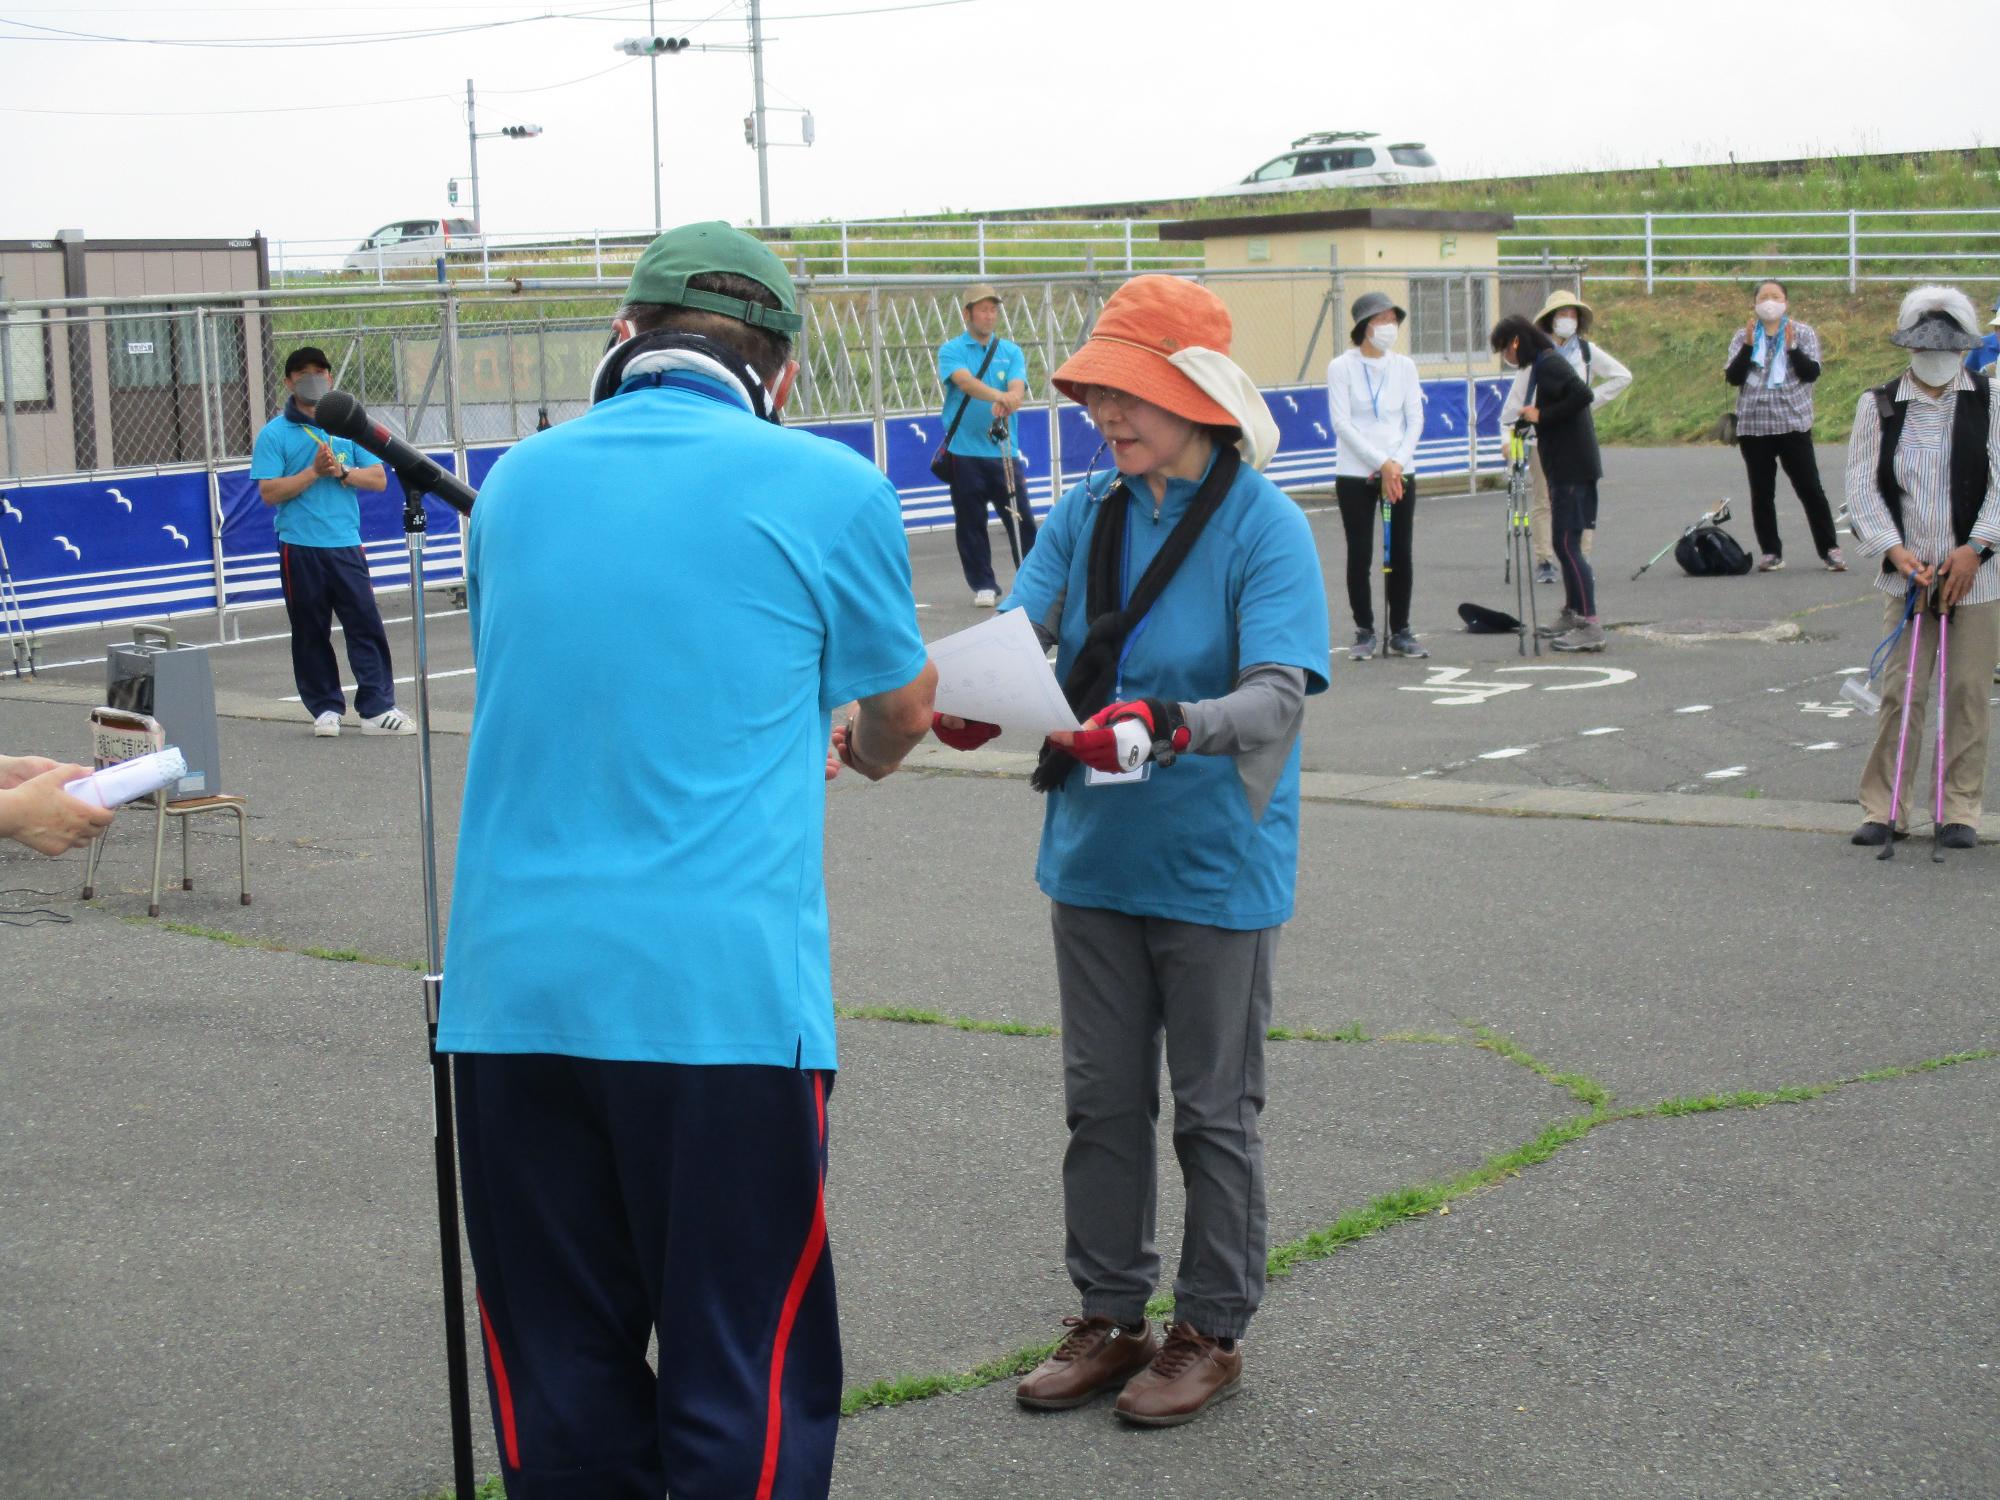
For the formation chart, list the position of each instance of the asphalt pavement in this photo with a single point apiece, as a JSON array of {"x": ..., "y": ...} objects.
[{"x": 1717, "y": 1218}]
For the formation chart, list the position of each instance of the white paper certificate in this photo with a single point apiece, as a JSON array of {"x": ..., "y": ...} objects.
[{"x": 997, "y": 672}]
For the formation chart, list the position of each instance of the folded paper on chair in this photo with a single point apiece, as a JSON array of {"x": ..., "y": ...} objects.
[
  {"x": 129, "y": 780},
  {"x": 997, "y": 672}
]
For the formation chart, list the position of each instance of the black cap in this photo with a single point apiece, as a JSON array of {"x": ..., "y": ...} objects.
[
  {"x": 1479, "y": 620},
  {"x": 307, "y": 358}
]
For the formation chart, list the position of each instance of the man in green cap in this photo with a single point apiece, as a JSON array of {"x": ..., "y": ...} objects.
[{"x": 669, "y": 598}]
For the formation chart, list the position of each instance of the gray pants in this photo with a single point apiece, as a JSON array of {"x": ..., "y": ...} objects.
[{"x": 1125, "y": 982}]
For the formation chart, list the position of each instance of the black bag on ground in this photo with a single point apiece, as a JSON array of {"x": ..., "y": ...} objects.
[{"x": 1711, "y": 552}]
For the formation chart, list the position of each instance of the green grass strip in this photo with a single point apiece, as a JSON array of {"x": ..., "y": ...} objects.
[
  {"x": 907, "y": 1388},
  {"x": 1584, "y": 1090},
  {"x": 238, "y": 940},
  {"x": 905, "y": 1017}
]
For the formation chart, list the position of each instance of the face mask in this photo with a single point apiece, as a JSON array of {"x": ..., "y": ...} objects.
[
  {"x": 1565, "y": 328},
  {"x": 1383, "y": 336},
  {"x": 1770, "y": 310},
  {"x": 309, "y": 388},
  {"x": 1934, "y": 367}
]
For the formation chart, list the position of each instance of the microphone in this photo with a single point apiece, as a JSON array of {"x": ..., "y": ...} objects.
[{"x": 341, "y": 414}]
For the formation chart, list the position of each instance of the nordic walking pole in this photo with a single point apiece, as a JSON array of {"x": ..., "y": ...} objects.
[
  {"x": 1937, "y": 806},
  {"x": 1387, "y": 568},
  {"x": 1903, "y": 736},
  {"x": 1013, "y": 493}
]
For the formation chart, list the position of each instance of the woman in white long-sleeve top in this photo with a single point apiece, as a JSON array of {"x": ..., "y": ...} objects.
[
  {"x": 1376, "y": 403},
  {"x": 1568, "y": 320}
]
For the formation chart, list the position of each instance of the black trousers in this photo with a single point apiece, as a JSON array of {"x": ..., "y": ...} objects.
[
  {"x": 975, "y": 484},
  {"x": 607, "y": 1201},
  {"x": 320, "y": 583},
  {"x": 1761, "y": 458},
  {"x": 1360, "y": 516}
]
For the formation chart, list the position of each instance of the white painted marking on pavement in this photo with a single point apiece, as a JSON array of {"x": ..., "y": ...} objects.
[
  {"x": 1507, "y": 754},
  {"x": 1840, "y": 710},
  {"x": 1825, "y": 745},
  {"x": 348, "y": 687},
  {"x": 1850, "y": 671},
  {"x": 1607, "y": 729},
  {"x": 1725, "y": 773},
  {"x": 1607, "y": 677},
  {"x": 1694, "y": 708}
]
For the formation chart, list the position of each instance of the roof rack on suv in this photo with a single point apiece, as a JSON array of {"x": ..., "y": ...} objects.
[{"x": 1328, "y": 137}]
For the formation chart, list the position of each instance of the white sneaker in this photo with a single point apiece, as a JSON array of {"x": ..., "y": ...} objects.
[
  {"x": 389, "y": 721},
  {"x": 326, "y": 725},
  {"x": 985, "y": 599},
  {"x": 1770, "y": 562}
]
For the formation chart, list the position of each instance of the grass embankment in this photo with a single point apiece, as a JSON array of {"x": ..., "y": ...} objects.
[{"x": 1675, "y": 342}]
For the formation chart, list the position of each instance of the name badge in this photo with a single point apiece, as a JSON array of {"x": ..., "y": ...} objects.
[{"x": 1094, "y": 777}]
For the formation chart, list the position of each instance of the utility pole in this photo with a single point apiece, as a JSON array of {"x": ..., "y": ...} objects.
[
  {"x": 653, "y": 67},
  {"x": 757, "y": 75},
  {"x": 472, "y": 141}
]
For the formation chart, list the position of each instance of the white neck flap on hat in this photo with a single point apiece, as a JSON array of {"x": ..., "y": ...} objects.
[{"x": 1225, "y": 382}]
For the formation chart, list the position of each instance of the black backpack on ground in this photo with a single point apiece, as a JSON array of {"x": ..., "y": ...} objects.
[{"x": 1711, "y": 552}]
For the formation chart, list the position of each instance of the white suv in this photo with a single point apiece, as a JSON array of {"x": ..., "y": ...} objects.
[
  {"x": 411, "y": 242},
  {"x": 1340, "y": 158}
]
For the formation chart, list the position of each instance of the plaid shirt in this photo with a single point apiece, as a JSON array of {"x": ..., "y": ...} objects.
[
  {"x": 1923, "y": 469},
  {"x": 1786, "y": 407}
]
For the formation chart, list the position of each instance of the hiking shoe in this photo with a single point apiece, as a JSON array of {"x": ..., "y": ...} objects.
[
  {"x": 984, "y": 599},
  {"x": 389, "y": 721},
  {"x": 1563, "y": 624},
  {"x": 326, "y": 725},
  {"x": 1096, "y": 1354},
  {"x": 1586, "y": 635},
  {"x": 1958, "y": 836},
  {"x": 1404, "y": 643},
  {"x": 1364, "y": 646},
  {"x": 1835, "y": 560},
  {"x": 1870, "y": 835},
  {"x": 1545, "y": 572},
  {"x": 1190, "y": 1372},
  {"x": 1770, "y": 562}
]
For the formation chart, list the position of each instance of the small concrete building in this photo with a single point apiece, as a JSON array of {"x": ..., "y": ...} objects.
[
  {"x": 116, "y": 385},
  {"x": 1438, "y": 264}
]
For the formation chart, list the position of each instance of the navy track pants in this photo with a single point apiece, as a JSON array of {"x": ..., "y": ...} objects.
[
  {"x": 320, "y": 583},
  {"x": 607, "y": 1200}
]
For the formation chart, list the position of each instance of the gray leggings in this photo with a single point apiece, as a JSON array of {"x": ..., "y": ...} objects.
[{"x": 1126, "y": 983}]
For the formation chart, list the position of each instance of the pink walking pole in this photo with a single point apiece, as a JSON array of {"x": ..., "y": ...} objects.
[
  {"x": 1903, "y": 735},
  {"x": 1937, "y": 811}
]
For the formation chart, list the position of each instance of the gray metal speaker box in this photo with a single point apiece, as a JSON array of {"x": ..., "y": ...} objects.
[{"x": 153, "y": 674}]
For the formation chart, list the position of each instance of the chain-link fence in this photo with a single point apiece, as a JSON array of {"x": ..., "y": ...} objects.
[{"x": 128, "y": 429}]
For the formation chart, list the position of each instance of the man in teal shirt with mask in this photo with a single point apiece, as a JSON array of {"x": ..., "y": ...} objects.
[{"x": 310, "y": 478}]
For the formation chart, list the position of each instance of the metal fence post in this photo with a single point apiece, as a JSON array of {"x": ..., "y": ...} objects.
[
  {"x": 982, "y": 247},
  {"x": 204, "y": 371},
  {"x": 1853, "y": 252},
  {"x": 454, "y": 417},
  {"x": 1055, "y": 396},
  {"x": 876, "y": 405},
  {"x": 597, "y": 252},
  {"x": 843, "y": 247},
  {"x": 1649, "y": 252},
  {"x": 1471, "y": 398},
  {"x": 7, "y": 382},
  {"x": 1128, "y": 244}
]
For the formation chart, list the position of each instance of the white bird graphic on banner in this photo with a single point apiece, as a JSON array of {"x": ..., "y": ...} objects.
[
  {"x": 1320, "y": 428},
  {"x": 1445, "y": 417},
  {"x": 71, "y": 548},
  {"x": 7, "y": 508},
  {"x": 115, "y": 495},
  {"x": 174, "y": 532},
  {"x": 1291, "y": 403}
]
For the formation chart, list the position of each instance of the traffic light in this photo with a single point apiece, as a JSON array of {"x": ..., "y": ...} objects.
[
  {"x": 451, "y": 189},
  {"x": 652, "y": 46},
  {"x": 749, "y": 130},
  {"x": 519, "y": 133}
]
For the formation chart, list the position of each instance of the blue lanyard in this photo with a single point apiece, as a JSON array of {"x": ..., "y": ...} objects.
[
  {"x": 1374, "y": 391},
  {"x": 1124, "y": 574}
]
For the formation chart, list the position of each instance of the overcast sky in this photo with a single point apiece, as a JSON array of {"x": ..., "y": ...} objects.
[{"x": 988, "y": 104}]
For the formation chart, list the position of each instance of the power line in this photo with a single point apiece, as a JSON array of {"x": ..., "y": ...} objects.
[
  {"x": 332, "y": 39},
  {"x": 294, "y": 109}
]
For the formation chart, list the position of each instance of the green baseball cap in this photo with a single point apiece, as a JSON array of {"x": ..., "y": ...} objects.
[{"x": 667, "y": 264}]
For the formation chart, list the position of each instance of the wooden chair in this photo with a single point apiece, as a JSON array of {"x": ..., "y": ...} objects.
[{"x": 115, "y": 735}]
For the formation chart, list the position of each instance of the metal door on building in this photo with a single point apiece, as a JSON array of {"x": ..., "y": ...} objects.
[{"x": 156, "y": 399}]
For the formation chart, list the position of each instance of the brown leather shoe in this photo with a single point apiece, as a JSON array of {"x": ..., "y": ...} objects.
[
  {"x": 1094, "y": 1355},
  {"x": 1190, "y": 1371}
]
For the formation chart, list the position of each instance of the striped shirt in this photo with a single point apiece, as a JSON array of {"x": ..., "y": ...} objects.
[
  {"x": 1786, "y": 407},
  {"x": 1923, "y": 469}
]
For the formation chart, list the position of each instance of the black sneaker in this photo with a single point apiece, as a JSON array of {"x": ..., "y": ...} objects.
[
  {"x": 1958, "y": 836},
  {"x": 1363, "y": 648},
  {"x": 1545, "y": 572},
  {"x": 1870, "y": 835},
  {"x": 1404, "y": 643}
]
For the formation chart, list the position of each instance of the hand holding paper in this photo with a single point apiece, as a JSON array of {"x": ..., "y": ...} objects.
[{"x": 997, "y": 673}]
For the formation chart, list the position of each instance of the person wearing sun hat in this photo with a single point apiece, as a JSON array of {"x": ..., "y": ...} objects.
[
  {"x": 1983, "y": 356},
  {"x": 1375, "y": 404},
  {"x": 1569, "y": 320},
  {"x": 641, "y": 1002},
  {"x": 1923, "y": 490},
  {"x": 1183, "y": 593}
]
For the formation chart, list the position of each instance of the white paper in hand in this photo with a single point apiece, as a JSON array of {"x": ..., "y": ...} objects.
[{"x": 997, "y": 673}]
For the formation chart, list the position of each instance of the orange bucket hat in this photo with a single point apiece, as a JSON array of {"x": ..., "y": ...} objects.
[{"x": 1143, "y": 324}]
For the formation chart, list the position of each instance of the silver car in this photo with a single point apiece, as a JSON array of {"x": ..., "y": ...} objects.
[{"x": 411, "y": 242}]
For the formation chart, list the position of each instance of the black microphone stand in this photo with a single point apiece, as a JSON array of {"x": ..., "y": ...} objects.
[{"x": 444, "y": 1148}]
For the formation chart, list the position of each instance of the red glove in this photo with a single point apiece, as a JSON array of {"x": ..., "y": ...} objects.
[
  {"x": 970, "y": 734},
  {"x": 1124, "y": 736}
]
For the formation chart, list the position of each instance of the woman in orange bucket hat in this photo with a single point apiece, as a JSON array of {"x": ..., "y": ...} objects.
[{"x": 1183, "y": 592}]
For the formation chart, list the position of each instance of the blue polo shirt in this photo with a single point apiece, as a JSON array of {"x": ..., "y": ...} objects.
[
  {"x": 668, "y": 598},
  {"x": 325, "y": 513},
  {"x": 1183, "y": 843},
  {"x": 966, "y": 353}
]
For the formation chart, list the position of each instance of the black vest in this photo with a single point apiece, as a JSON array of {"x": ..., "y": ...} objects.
[{"x": 1971, "y": 420}]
